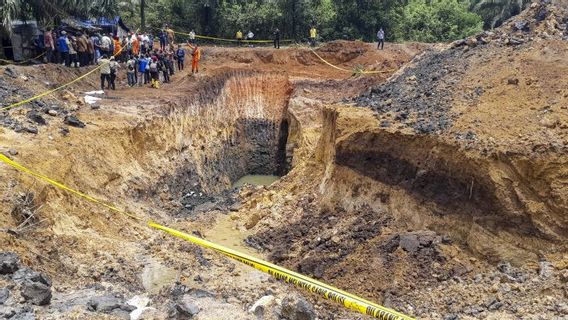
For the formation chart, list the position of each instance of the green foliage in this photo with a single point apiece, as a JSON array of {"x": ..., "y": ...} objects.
[
  {"x": 402, "y": 20},
  {"x": 46, "y": 11},
  {"x": 436, "y": 20}
]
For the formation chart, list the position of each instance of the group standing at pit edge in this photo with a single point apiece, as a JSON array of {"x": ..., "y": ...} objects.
[{"x": 145, "y": 64}]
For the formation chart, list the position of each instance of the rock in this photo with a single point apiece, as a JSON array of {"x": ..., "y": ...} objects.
[
  {"x": 297, "y": 308},
  {"x": 545, "y": 269},
  {"x": 37, "y": 293},
  {"x": 562, "y": 308},
  {"x": 187, "y": 307},
  {"x": 471, "y": 42},
  {"x": 253, "y": 220},
  {"x": 52, "y": 112},
  {"x": 563, "y": 275},
  {"x": 458, "y": 43},
  {"x": 513, "y": 81},
  {"x": 108, "y": 304},
  {"x": 409, "y": 242},
  {"x": 521, "y": 26},
  {"x": 36, "y": 117},
  {"x": 411, "y": 79},
  {"x": 9, "y": 262},
  {"x": 549, "y": 121},
  {"x": 25, "y": 273},
  {"x": 73, "y": 121},
  {"x": 259, "y": 307},
  {"x": 32, "y": 130},
  {"x": 64, "y": 131},
  {"x": 13, "y": 152},
  {"x": 10, "y": 72},
  {"x": 4, "y": 295}
]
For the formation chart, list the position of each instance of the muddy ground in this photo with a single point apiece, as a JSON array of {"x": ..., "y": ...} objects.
[{"x": 437, "y": 188}]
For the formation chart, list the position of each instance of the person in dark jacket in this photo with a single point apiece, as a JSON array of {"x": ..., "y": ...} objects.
[
  {"x": 63, "y": 48},
  {"x": 277, "y": 38}
]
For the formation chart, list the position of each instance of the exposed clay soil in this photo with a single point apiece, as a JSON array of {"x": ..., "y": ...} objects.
[{"x": 437, "y": 188}]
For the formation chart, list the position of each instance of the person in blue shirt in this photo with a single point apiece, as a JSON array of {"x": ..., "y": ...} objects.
[
  {"x": 142, "y": 63},
  {"x": 180, "y": 54},
  {"x": 63, "y": 48}
]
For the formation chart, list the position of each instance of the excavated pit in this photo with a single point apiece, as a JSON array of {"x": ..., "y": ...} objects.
[{"x": 237, "y": 125}]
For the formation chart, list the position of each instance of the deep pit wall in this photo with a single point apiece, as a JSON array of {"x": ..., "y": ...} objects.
[
  {"x": 505, "y": 208},
  {"x": 234, "y": 126}
]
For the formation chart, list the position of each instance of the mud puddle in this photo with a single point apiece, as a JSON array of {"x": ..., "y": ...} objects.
[
  {"x": 256, "y": 180},
  {"x": 225, "y": 233}
]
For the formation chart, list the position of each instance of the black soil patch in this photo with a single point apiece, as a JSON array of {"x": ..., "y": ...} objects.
[{"x": 421, "y": 97}]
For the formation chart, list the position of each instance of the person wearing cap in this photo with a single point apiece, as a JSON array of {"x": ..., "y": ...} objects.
[{"x": 63, "y": 48}]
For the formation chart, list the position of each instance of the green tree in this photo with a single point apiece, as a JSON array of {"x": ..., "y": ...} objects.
[
  {"x": 45, "y": 11},
  {"x": 436, "y": 20}
]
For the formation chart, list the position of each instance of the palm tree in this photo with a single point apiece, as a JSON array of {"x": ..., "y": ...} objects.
[{"x": 495, "y": 12}]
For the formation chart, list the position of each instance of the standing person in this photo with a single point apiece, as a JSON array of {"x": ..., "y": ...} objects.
[
  {"x": 104, "y": 62},
  {"x": 117, "y": 46},
  {"x": 95, "y": 42},
  {"x": 147, "y": 78},
  {"x": 72, "y": 44},
  {"x": 239, "y": 37},
  {"x": 171, "y": 63},
  {"x": 135, "y": 46},
  {"x": 142, "y": 63},
  {"x": 106, "y": 45},
  {"x": 192, "y": 37},
  {"x": 381, "y": 39},
  {"x": 250, "y": 36},
  {"x": 171, "y": 37},
  {"x": 276, "y": 38},
  {"x": 63, "y": 48},
  {"x": 113, "y": 71},
  {"x": 163, "y": 39},
  {"x": 164, "y": 66},
  {"x": 131, "y": 71},
  {"x": 180, "y": 54},
  {"x": 155, "y": 73},
  {"x": 49, "y": 45},
  {"x": 196, "y": 56},
  {"x": 82, "y": 49},
  {"x": 313, "y": 36}
]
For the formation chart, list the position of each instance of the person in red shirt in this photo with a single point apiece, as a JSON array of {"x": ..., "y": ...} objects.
[{"x": 49, "y": 44}]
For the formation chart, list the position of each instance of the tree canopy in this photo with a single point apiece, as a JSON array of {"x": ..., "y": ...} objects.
[{"x": 403, "y": 20}]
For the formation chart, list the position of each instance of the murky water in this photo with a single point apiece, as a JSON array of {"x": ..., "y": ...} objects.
[{"x": 256, "y": 180}]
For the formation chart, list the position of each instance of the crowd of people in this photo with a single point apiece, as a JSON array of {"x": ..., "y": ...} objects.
[
  {"x": 136, "y": 53},
  {"x": 145, "y": 63}
]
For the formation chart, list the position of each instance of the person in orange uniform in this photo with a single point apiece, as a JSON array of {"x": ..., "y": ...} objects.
[
  {"x": 117, "y": 48},
  {"x": 135, "y": 46},
  {"x": 196, "y": 54}
]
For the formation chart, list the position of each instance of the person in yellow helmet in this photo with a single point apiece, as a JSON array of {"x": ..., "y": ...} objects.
[
  {"x": 313, "y": 36},
  {"x": 239, "y": 37}
]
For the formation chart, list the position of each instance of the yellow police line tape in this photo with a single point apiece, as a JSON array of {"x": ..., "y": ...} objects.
[
  {"x": 231, "y": 40},
  {"x": 328, "y": 292},
  {"x": 22, "y": 62},
  {"x": 347, "y": 70}
]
